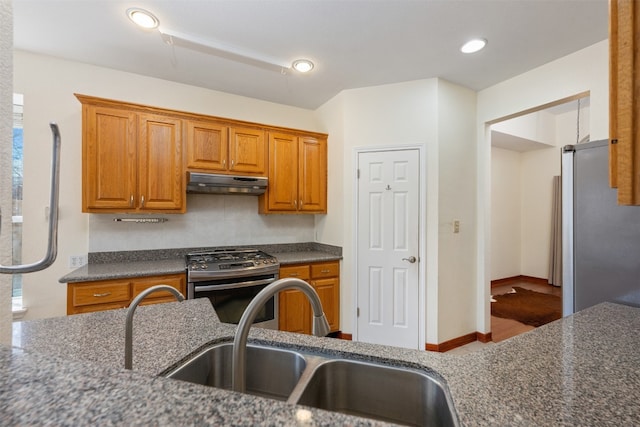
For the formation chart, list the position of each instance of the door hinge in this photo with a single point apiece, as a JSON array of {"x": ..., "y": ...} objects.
[
  {"x": 358, "y": 173},
  {"x": 358, "y": 312}
]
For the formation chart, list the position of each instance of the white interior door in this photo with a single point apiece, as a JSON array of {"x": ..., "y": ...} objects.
[{"x": 387, "y": 243}]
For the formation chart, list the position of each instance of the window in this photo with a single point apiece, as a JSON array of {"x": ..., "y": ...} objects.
[{"x": 16, "y": 218}]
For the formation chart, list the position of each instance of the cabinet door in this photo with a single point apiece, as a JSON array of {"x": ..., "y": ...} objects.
[
  {"x": 160, "y": 179},
  {"x": 207, "y": 146},
  {"x": 294, "y": 312},
  {"x": 283, "y": 173},
  {"x": 329, "y": 292},
  {"x": 247, "y": 151},
  {"x": 109, "y": 159},
  {"x": 624, "y": 106},
  {"x": 312, "y": 175}
]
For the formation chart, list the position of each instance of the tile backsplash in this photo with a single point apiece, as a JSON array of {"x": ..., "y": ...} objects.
[{"x": 211, "y": 220}]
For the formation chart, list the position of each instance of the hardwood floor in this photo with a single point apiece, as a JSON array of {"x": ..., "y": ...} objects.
[{"x": 502, "y": 329}]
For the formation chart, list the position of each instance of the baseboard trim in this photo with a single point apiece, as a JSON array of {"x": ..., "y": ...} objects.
[
  {"x": 459, "y": 342},
  {"x": 451, "y": 344},
  {"x": 516, "y": 279},
  {"x": 484, "y": 338}
]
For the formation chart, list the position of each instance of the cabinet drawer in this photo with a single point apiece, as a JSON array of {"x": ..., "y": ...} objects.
[
  {"x": 297, "y": 271},
  {"x": 101, "y": 293},
  {"x": 328, "y": 269},
  {"x": 173, "y": 281}
]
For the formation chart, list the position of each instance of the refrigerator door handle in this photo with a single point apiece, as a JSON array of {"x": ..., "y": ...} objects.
[{"x": 568, "y": 264}]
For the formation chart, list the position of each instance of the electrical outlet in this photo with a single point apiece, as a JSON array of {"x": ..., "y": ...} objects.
[
  {"x": 456, "y": 226},
  {"x": 77, "y": 261}
]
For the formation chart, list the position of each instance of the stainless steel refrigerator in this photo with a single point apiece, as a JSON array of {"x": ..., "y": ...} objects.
[{"x": 601, "y": 240}]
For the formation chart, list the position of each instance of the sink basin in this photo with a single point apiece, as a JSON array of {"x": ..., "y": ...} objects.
[
  {"x": 385, "y": 393},
  {"x": 370, "y": 390},
  {"x": 271, "y": 372}
]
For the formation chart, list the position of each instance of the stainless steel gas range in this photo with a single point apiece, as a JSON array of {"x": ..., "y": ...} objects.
[{"x": 230, "y": 278}]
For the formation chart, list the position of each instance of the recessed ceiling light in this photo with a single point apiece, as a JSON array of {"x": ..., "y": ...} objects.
[
  {"x": 143, "y": 18},
  {"x": 302, "y": 65},
  {"x": 473, "y": 46}
]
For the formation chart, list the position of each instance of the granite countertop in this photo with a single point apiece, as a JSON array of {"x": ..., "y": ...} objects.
[
  {"x": 581, "y": 370},
  {"x": 119, "y": 265}
]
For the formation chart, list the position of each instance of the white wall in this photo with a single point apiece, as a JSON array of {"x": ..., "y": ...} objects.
[
  {"x": 506, "y": 193},
  {"x": 456, "y": 200},
  {"x": 48, "y": 85},
  {"x": 582, "y": 71},
  {"x": 440, "y": 115},
  {"x": 521, "y": 193},
  {"x": 538, "y": 169},
  {"x": 388, "y": 115}
]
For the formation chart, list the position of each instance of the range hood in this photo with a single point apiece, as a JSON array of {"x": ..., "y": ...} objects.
[{"x": 225, "y": 184}]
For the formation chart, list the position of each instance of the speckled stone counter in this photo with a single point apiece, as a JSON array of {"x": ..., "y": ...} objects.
[
  {"x": 119, "y": 270},
  {"x": 578, "y": 371},
  {"x": 125, "y": 264}
]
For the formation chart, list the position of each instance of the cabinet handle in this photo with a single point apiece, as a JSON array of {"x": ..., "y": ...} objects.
[
  {"x": 104, "y": 294},
  {"x": 325, "y": 271},
  {"x": 142, "y": 202},
  {"x": 301, "y": 203},
  {"x": 131, "y": 201},
  {"x": 224, "y": 163},
  {"x": 233, "y": 162},
  {"x": 295, "y": 203},
  {"x": 293, "y": 275}
]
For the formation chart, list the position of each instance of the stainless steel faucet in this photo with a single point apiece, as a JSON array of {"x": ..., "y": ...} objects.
[
  {"x": 320, "y": 325},
  {"x": 128, "y": 333}
]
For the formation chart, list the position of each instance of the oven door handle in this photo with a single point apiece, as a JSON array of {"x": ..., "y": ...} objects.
[{"x": 246, "y": 284}]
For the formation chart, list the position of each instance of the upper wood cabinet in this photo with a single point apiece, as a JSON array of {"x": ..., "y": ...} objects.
[
  {"x": 624, "y": 99},
  {"x": 297, "y": 175},
  {"x": 160, "y": 177},
  {"x": 219, "y": 148},
  {"x": 134, "y": 158},
  {"x": 109, "y": 159},
  {"x": 131, "y": 161}
]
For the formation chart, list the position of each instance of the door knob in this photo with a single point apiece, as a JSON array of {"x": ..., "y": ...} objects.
[{"x": 411, "y": 259}]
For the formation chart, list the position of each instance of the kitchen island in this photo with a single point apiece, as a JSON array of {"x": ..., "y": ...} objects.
[{"x": 581, "y": 370}]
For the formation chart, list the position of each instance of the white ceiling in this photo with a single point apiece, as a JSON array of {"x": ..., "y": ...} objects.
[{"x": 353, "y": 43}]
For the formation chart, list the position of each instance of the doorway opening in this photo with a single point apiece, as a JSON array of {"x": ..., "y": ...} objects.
[{"x": 525, "y": 240}]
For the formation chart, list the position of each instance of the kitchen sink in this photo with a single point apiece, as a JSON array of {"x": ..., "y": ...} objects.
[
  {"x": 365, "y": 389},
  {"x": 271, "y": 372},
  {"x": 382, "y": 392}
]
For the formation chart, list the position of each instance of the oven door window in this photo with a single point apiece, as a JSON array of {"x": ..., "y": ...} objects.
[{"x": 231, "y": 303}]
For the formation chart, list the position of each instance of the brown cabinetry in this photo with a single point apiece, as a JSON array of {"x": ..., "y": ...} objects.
[
  {"x": 86, "y": 297},
  {"x": 216, "y": 147},
  {"x": 297, "y": 175},
  {"x": 134, "y": 158},
  {"x": 294, "y": 309},
  {"x": 624, "y": 99},
  {"x": 132, "y": 161}
]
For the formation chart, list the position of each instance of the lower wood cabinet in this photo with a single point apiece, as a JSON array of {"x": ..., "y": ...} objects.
[
  {"x": 86, "y": 297},
  {"x": 294, "y": 309}
]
